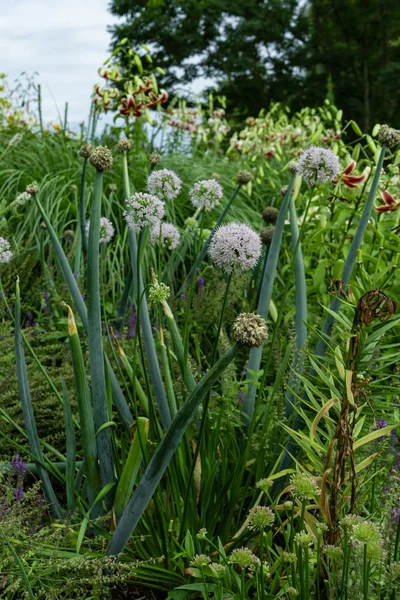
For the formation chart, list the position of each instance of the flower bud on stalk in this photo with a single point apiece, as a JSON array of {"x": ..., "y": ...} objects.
[
  {"x": 389, "y": 136},
  {"x": 250, "y": 330},
  {"x": 32, "y": 189},
  {"x": 266, "y": 235},
  {"x": 86, "y": 150},
  {"x": 124, "y": 145},
  {"x": 101, "y": 159},
  {"x": 243, "y": 177},
  {"x": 270, "y": 214}
]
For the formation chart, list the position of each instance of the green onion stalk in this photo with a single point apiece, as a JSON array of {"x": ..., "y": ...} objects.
[
  {"x": 88, "y": 433},
  {"x": 264, "y": 301},
  {"x": 144, "y": 317},
  {"x": 95, "y": 334},
  {"x": 118, "y": 397},
  {"x": 164, "y": 454}
]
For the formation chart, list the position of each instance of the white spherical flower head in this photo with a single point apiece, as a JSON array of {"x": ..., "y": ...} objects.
[
  {"x": 106, "y": 230},
  {"x": 235, "y": 247},
  {"x": 142, "y": 210},
  {"x": 166, "y": 234},
  {"x": 317, "y": 165},
  {"x": 5, "y": 252},
  {"x": 164, "y": 183},
  {"x": 206, "y": 194}
]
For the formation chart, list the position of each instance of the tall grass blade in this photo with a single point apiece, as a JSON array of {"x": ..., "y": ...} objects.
[
  {"x": 352, "y": 255},
  {"x": 70, "y": 449},
  {"x": 21, "y": 567},
  {"x": 301, "y": 311}
]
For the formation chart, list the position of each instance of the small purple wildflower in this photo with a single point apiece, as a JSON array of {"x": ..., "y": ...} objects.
[
  {"x": 47, "y": 307},
  {"x": 164, "y": 183},
  {"x": 18, "y": 493},
  {"x": 241, "y": 397},
  {"x": 235, "y": 247},
  {"x": 380, "y": 424},
  {"x": 143, "y": 209},
  {"x": 18, "y": 466},
  {"x": 30, "y": 320},
  {"x": 132, "y": 323},
  {"x": 200, "y": 282},
  {"x": 317, "y": 165},
  {"x": 395, "y": 514}
]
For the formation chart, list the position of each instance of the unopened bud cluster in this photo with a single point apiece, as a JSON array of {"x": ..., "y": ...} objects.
[
  {"x": 154, "y": 158},
  {"x": 101, "y": 158},
  {"x": 86, "y": 150},
  {"x": 250, "y": 330},
  {"x": 389, "y": 136},
  {"x": 243, "y": 177},
  {"x": 32, "y": 189},
  {"x": 270, "y": 215},
  {"x": 266, "y": 235},
  {"x": 124, "y": 145}
]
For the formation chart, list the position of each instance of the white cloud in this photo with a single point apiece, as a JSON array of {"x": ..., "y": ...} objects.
[{"x": 65, "y": 41}]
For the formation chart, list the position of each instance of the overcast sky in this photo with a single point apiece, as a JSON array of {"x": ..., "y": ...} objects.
[{"x": 65, "y": 41}]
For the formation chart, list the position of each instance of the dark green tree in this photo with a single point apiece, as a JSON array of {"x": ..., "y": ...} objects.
[
  {"x": 247, "y": 47},
  {"x": 293, "y": 51},
  {"x": 355, "y": 45}
]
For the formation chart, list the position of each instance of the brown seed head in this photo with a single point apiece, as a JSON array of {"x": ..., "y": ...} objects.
[
  {"x": 101, "y": 158},
  {"x": 250, "y": 330},
  {"x": 389, "y": 136},
  {"x": 86, "y": 150},
  {"x": 124, "y": 145},
  {"x": 154, "y": 158}
]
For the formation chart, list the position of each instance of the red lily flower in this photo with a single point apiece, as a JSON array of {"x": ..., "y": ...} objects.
[
  {"x": 154, "y": 100},
  {"x": 128, "y": 107},
  {"x": 270, "y": 153},
  {"x": 390, "y": 203},
  {"x": 350, "y": 181}
]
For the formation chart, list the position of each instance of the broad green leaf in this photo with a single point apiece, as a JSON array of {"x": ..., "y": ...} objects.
[{"x": 374, "y": 435}]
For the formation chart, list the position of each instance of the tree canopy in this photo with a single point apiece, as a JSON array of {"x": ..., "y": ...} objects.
[{"x": 290, "y": 51}]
